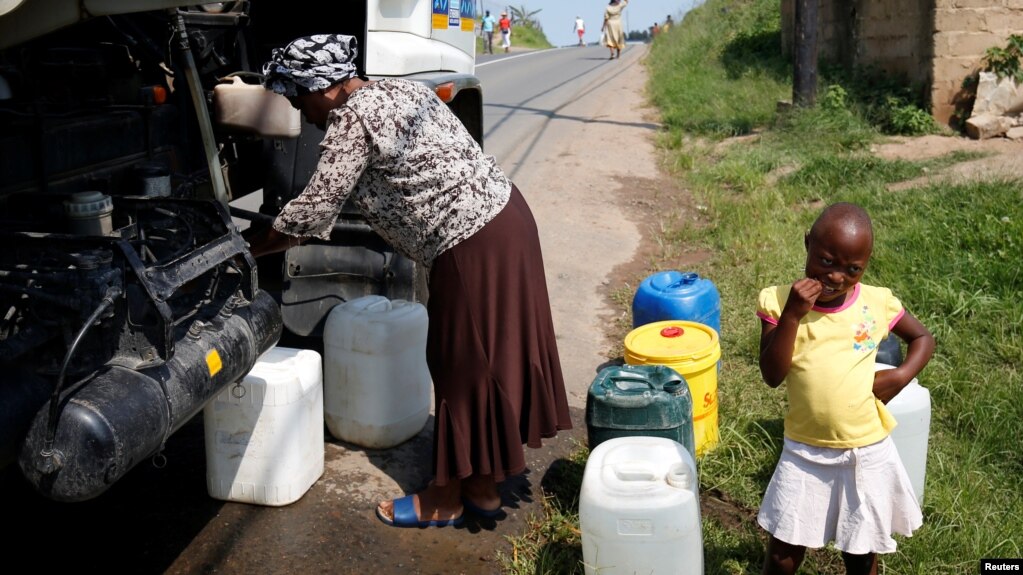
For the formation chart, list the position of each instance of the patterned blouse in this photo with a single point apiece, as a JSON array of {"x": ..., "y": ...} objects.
[{"x": 411, "y": 168}]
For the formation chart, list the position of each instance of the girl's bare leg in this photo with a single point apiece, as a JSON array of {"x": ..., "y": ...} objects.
[
  {"x": 860, "y": 564},
  {"x": 782, "y": 558}
]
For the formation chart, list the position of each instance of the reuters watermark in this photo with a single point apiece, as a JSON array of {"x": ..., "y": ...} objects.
[{"x": 1001, "y": 566}]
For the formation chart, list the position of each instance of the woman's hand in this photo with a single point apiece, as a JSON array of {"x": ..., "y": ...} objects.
[{"x": 267, "y": 240}]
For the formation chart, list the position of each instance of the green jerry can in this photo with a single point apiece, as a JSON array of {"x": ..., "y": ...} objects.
[{"x": 631, "y": 400}]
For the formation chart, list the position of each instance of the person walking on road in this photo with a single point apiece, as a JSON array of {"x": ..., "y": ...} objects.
[
  {"x": 505, "y": 24},
  {"x": 580, "y": 29},
  {"x": 425, "y": 185},
  {"x": 487, "y": 27},
  {"x": 614, "y": 36}
]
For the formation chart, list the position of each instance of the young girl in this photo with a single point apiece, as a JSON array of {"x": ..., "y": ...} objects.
[{"x": 839, "y": 477}]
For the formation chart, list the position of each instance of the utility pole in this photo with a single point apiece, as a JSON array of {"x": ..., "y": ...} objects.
[{"x": 804, "y": 73}]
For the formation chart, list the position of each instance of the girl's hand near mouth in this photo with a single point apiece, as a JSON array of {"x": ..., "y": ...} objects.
[{"x": 802, "y": 297}]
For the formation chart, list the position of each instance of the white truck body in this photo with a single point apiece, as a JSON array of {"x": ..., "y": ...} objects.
[{"x": 129, "y": 298}]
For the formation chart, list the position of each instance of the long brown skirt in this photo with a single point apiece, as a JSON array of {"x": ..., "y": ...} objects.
[{"x": 491, "y": 350}]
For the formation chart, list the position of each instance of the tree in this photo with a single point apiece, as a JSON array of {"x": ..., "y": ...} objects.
[
  {"x": 524, "y": 17},
  {"x": 638, "y": 36}
]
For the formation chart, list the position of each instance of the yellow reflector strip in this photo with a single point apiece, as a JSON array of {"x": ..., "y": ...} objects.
[{"x": 213, "y": 362}]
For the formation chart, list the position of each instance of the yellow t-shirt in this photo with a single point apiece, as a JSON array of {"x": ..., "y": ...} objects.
[{"x": 830, "y": 383}]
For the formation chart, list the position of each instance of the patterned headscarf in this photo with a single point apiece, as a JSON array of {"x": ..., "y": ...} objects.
[{"x": 310, "y": 63}]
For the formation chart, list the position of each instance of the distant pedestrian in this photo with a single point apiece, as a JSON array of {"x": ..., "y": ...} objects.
[
  {"x": 614, "y": 36},
  {"x": 580, "y": 29},
  {"x": 487, "y": 27},
  {"x": 667, "y": 24},
  {"x": 654, "y": 31},
  {"x": 505, "y": 24}
]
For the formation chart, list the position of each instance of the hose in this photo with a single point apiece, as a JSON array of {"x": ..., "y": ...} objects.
[{"x": 52, "y": 460}]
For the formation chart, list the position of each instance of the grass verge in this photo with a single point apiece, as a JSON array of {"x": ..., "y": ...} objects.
[{"x": 950, "y": 252}]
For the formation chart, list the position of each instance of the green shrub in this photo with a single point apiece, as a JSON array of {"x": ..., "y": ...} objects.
[
  {"x": 908, "y": 119},
  {"x": 1006, "y": 62},
  {"x": 834, "y": 98},
  {"x": 887, "y": 102}
]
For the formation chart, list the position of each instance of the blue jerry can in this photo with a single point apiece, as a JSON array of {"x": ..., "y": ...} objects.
[{"x": 677, "y": 295}]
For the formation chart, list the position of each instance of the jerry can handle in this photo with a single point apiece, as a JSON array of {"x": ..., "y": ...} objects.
[
  {"x": 615, "y": 380},
  {"x": 380, "y": 305},
  {"x": 685, "y": 278}
]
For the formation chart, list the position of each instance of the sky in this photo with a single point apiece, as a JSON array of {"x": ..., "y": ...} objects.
[{"x": 558, "y": 16}]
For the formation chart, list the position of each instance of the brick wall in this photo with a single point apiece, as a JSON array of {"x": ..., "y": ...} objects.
[
  {"x": 963, "y": 30},
  {"x": 931, "y": 43}
]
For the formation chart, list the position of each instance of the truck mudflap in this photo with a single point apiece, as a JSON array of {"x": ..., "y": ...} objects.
[{"x": 120, "y": 416}]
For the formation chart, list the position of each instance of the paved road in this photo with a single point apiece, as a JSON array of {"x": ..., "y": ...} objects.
[{"x": 565, "y": 124}]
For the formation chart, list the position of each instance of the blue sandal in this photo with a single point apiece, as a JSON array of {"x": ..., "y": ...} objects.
[{"x": 405, "y": 516}]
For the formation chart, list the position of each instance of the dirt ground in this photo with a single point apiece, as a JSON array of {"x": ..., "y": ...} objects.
[{"x": 997, "y": 158}]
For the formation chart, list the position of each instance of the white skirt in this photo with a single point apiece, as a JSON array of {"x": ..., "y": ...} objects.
[{"x": 855, "y": 497}]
